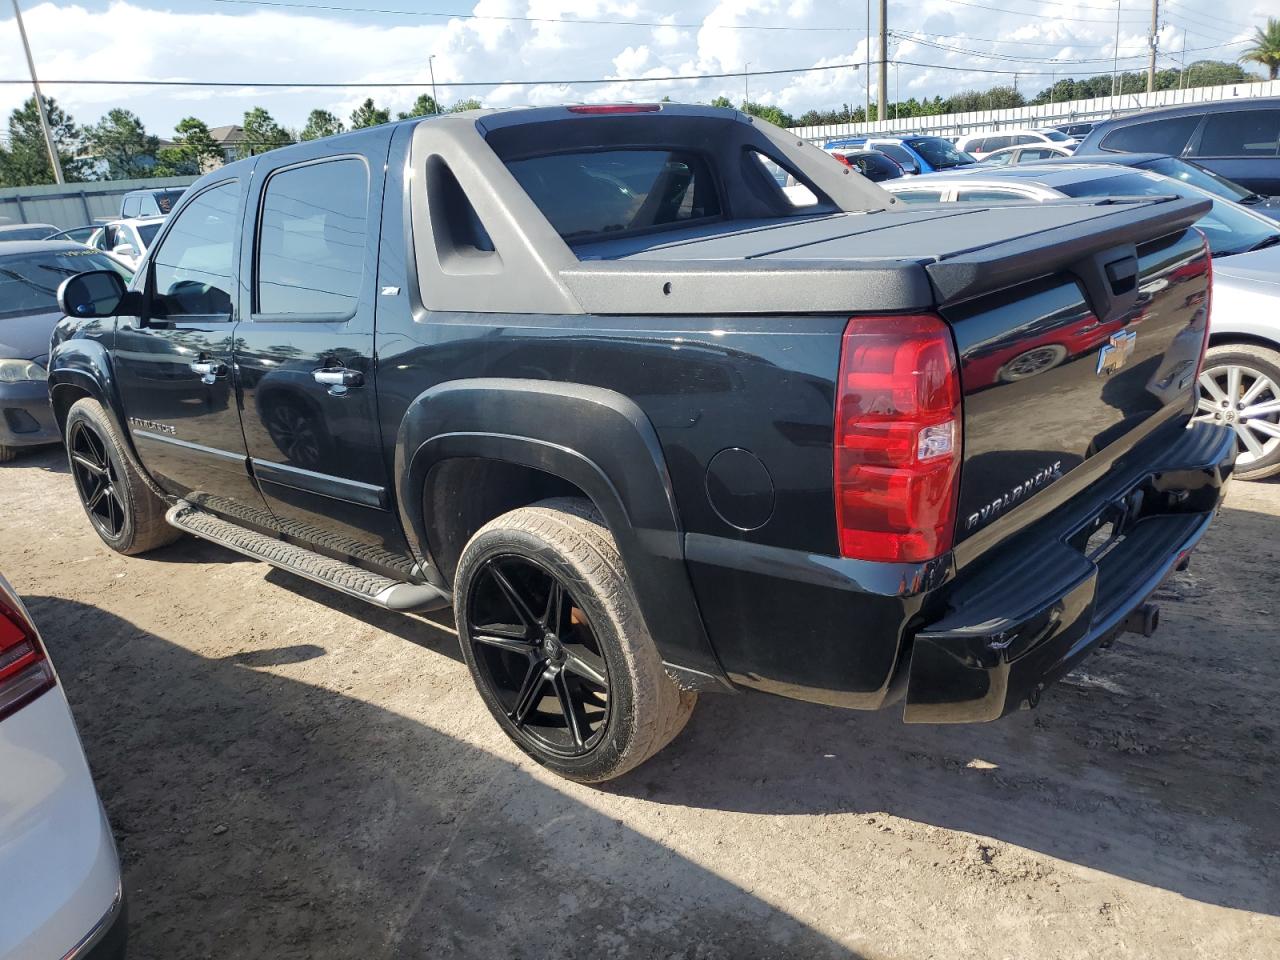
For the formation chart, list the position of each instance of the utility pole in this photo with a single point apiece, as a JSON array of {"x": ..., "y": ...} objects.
[
  {"x": 866, "y": 75},
  {"x": 1153, "y": 41},
  {"x": 431, "y": 65},
  {"x": 44, "y": 117},
  {"x": 746, "y": 85},
  {"x": 1182, "y": 74},
  {"x": 882, "y": 111},
  {"x": 1115, "y": 63}
]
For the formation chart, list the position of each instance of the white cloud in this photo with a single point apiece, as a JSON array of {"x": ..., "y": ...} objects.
[{"x": 203, "y": 40}]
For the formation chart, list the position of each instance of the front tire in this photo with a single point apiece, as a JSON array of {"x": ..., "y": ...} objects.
[
  {"x": 7, "y": 453},
  {"x": 1240, "y": 387},
  {"x": 122, "y": 508},
  {"x": 557, "y": 647}
]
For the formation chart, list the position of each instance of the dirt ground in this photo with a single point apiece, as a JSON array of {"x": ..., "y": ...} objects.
[{"x": 294, "y": 774}]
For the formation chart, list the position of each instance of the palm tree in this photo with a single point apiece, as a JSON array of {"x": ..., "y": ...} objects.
[{"x": 1266, "y": 47}]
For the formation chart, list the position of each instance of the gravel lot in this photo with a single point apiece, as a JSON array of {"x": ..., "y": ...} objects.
[{"x": 294, "y": 774}]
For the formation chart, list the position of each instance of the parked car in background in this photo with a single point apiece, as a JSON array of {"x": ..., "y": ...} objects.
[
  {"x": 1236, "y": 139},
  {"x": 1190, "y": 172},
  {"x": 1240, "y": 383},
  {"x": 149, "y": 203},
  {"x": 914, "y": 154},
  {"x": 1076, "y": 131},
  {"x": 30, "y": 273},
  {"x": 63, "y": 898},
  {"x": 26, "y": 231},
  {"x": 980, "y": 145},
  {"x": 872, "y": 164},
  {"x": 1008, "y": 156},
  {"x": 127, "y": 240},
  {"x": 82, "y": 234}
]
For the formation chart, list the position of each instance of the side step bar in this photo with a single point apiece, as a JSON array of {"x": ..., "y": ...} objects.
[{"x": 344, "y": 577}]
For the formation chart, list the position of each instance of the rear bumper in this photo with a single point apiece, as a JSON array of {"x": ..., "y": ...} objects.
[
  {"x": 1033, "y": 612},
  {"x": 26, "y": 418}
]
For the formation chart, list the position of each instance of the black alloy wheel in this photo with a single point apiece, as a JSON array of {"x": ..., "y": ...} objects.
[
  {"x": 538, "y": 655},
  {"x": 96, "y": 480}
]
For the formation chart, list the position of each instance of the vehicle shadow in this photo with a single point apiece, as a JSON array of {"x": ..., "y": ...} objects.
[
  {"x": 1155, "y": 761},
  {"x": 49, "y": 457},
  {"x": 259, "y": 815}
]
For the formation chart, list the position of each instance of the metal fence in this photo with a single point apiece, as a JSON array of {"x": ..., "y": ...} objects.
[
  {"x": 1043, "y": 115},
  {"x": 74, "y": 204}
]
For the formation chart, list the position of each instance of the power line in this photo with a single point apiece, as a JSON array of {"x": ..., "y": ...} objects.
[
  {"x": 336, "y": 8},
  {"x": 1043, "y": 60},
  {"x": 1039, "y": 15}
]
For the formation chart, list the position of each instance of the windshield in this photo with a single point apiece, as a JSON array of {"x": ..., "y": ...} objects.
[
  {"x": 29, "y": 282},
  {"x": 1228, "y": 228},
  {"x": 1199, "y": 177},
  {"x": 148, "y": 231},
  {"x": 938, "y": 153}
]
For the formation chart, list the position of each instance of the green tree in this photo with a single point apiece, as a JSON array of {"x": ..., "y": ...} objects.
[
  {"x": 424, "y": 106},
  {"x": 773, "y": 114},
  {"x": 471, "y": 103},
  {"x": 262, "y": 133},
  {"x": 121, "y": 142},
  {"x": 193, "y": 152},
  {"x": 321, "y": 123},
  {"x": 723, "y": 102},
  {"x": 26, "y": 161},
  {"x": 367, "y": 115},
  {"x": 1266, "y": 47}
]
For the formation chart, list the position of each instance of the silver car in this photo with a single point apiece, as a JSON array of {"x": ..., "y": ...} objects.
[{"x": 1240, "y": 383}]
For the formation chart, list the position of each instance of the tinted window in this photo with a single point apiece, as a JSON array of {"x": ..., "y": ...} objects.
[
  {"x": 988, "y": 195},
  {"x": 585, "y": 195},
  {"x": 1036, "y": 153},
  {"x": 148, "y": 231},
  {"x": 918, "y": 196},
  {"x": 1022, "y": 138},
  {"x": 999, "y": 159},
  {"x": 311, "y": 239},
  {"x": 996, "y": 143},
  {"x": 1155, "y": 136},
  {"x": 29, "y": 282},
  {"x": 900, "y": 154},
  {"x": 938, "y": 153},
  {"x": 877, "y": 168},
  {"x": 1227, "y": 227},
  {"x": 165, "y": 199},
  {"x": 1240, "y": 133},
  {"x": 193, "y": 268},
  {"x": 1057, "y": 136}
]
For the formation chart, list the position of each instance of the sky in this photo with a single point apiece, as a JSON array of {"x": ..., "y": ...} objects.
[{"x": 942, "y": 46}]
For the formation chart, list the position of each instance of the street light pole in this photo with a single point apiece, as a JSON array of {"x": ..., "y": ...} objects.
[
  {"x": 1115, "y": 63},
  {"x": 44, "y": 117},
  {"x": 1153, "y": 41},
  {"x": 432, "y": 67},
  {"x": 882, "y": 105}
]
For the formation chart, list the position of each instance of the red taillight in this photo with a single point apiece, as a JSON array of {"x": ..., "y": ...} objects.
[
  {"x": 617, "y": 108},
  {"x": 25, "y": 671},
  {"x": 897, "y": 439}
]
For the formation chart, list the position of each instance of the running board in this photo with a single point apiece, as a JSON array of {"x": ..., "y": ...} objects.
[{"x": 344, "y": 577}]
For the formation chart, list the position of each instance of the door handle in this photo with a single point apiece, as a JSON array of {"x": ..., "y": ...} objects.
[
  {"x": 209, "y": 370},
  {"x": 339, "y": 379}
]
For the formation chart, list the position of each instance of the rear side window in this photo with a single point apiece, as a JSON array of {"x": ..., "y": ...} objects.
[
  {"x": 919, "y": 196},
  {"x": 1240, "y": 133},
  {"x": 587, "y": 196},
  {"x": 901, "y": 154},
  {"x": 311, "y": 239},
  {"x": 1155, "y": 136},
  {"x": 988, "y": 196}
]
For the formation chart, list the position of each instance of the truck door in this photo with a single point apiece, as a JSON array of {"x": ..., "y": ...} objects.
[
  {"x": 173, "y": 364},
  {"x": 304, "y": 354}
]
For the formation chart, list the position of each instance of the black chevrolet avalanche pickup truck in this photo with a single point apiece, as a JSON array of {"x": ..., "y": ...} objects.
[{"x": 655, "y": 425}]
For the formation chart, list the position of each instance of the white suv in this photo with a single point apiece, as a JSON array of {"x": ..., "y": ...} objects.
[
  {"x": 61, "y": 896},
  {"x": 127, "y": 240},
  {"x": 980, "y": 144}
]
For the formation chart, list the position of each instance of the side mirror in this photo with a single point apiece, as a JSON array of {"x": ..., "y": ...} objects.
[{"x": 98, "y": 293}]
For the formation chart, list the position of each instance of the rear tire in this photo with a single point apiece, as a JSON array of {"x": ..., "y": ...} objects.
[
  {"x": 577, "y": 684},
  {"x": 121, "y": 507},
  {"x": 1240, "y": 379}
]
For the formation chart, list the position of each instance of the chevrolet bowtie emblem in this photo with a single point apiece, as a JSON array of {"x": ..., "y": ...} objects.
[{"x": 1116, "y": 353}]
